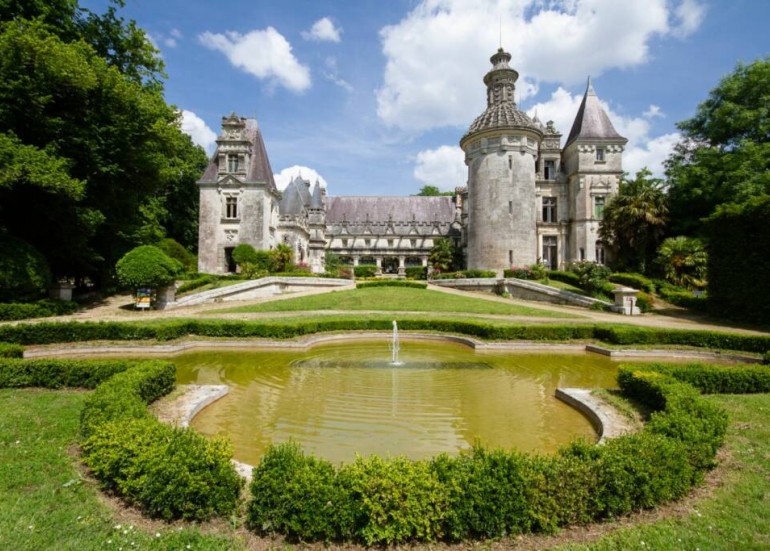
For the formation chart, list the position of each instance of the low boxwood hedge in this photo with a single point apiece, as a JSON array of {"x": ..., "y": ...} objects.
[
  {"x": 56, "y": 373},
  {"x": 635, "y": 281},
  {"x": 392, "y": 283},
  {"x": 493, "y": 493},
  {"x": 8, "y": 350},
  {"x": 49, "y": 332},
  {"x": 40, "y": 309}
]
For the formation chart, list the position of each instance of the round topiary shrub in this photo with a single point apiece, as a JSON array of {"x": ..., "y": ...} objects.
[
  {"x": 24, "y": 273},
  {"x": 175, "y": 250},
  {"x": 146, "y": 266}
]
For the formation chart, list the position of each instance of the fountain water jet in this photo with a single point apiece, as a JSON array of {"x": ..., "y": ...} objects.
[{"x": 394, "y": 346}]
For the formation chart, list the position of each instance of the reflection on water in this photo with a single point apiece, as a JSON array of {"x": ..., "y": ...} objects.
[{"x": 341, "y": 399}]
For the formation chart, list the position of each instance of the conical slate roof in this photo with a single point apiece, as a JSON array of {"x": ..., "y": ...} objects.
[
  {"x": 592, "y": 121},
  {"x": 317, "y": 202},
  {"x": 296, "y": 197}
]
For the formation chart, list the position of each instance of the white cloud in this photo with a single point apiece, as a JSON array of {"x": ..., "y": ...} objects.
[
  {"x": 176, "y": 33},
  {"x": 642, "y": 149},
  {"x": 332, "y": 74},
  {"x": 198, "y": 130},
  {"x": 170, "y": 41},
  {"x": 265, "y": 54},
  {"x": 653, "y": 112},
  {"x": 323, "y": 30},
  {"x": 283, "y": 178},
  {"x": 443, "y": 167},
  {"x": 436, "y": 54}
]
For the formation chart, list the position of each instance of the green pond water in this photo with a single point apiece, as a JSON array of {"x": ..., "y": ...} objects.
[{"x": 339, "y": 400}]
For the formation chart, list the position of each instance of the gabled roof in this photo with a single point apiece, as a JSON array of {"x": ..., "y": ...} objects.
[
  {"x": 398, "y": 209},
  {"x": 592, "y": 121},
  {"x": 258, "y": 171}
]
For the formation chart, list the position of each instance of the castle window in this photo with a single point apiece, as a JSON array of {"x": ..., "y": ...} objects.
[
  {"x": 368, "y": 242},
  {"x": 600, "y": 154},
  {"x": 231, "y": 208},
  {"x": 550, "y": 248},
  {"x": 549, "y": 170},
  {"x": 599, "y": 207},
  {"x": 510, "y": 258},
  {"x": 344, "y": 242},
  {"x": 510, "y": 207},
  {"x": 232, "y": 162},
  {"x": 549, "y": 209},
  {"x": 390, "y": 243},
  {"x": 413, "y": 242},
  {"x": 510, "y": 162},
  {"x": 600, "y": 257}
]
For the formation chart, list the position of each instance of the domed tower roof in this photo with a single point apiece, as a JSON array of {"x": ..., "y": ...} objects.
[{"x": 501, "y": 111}]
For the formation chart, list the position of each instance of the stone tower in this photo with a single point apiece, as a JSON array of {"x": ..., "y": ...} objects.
[
  {"x": 593, "y": 163},
  {"x": 501, "y": 148}
]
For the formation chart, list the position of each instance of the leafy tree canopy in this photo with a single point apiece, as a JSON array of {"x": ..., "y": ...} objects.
[
  {"x": 24, "y": 274},
  {"x": 433, "y": 191},
  {"x": 146, "y": 266},
  {"x": 634, "y": 221},
  {"x": 724, "y": 155}
]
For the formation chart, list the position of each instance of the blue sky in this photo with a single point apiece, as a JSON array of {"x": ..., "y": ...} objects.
[{"x": 372, "y": 96}]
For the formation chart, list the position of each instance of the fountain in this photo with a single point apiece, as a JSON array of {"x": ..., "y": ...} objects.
[{"x": 394, "y": 346}]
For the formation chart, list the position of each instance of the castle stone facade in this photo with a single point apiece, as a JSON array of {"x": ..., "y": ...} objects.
[{"x": 527, "y": 199}]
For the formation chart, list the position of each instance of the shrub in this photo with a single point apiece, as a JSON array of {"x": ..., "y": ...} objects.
[
  {"x": 592, "y": 276},
  {"x": 245, "y": 254},
  {"x": 8, "y": 350},
  {"x": 58, "y": 373},
  {"x": 393, "y": 500},
  {"x": 416, "y": 272},
  {"x": 40, "y": 309},
  {"x": 644, "y": 301},
  {"x": 466, "y": 274},
  {"x": 635, "y": 281},
  {"x": 713, "y": 379},
  {"x": 391, "y": 283},
  {"x": 196, "y": 283},
  {"x": 146, "y": 266},
  {"x": 24, "y": 273},
  {"x": 175, "y": 250},
  {"x": 565, "y": 277},
  {"x": 519, "y": 272},
  {"x": 766, "y": 358},
  {"x": 299, "y": 496},
  {"x": 365, "y": 270}
]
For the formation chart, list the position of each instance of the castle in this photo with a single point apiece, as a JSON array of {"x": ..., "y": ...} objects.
[{"x": 527, "y": 198}]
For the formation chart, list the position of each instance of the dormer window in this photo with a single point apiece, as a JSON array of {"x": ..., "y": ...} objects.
[
  {"x": 600, "y": 154},
  {"x": 232, "y": 162},
  {"x": 549, "y": 170}
]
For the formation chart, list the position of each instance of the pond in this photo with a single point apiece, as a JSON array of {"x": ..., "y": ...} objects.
[{"x": 342, "y": 399}]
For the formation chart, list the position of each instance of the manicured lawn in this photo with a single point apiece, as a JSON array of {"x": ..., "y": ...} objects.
[
  {"x": 396, "y": 299},
  {"x": 46, "y": 504}
]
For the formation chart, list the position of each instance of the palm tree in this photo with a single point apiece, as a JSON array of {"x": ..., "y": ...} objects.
[
  {"x": 634, "y": 221},
  {"x": 683, "y": 260}
]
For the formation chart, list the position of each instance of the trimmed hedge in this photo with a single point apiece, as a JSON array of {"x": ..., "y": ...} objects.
[
  {"x": 40, "y": 309},
  {"x": 58, "y": 373},
  {"x": 494, "y": 493},
  {"x": 565, "y": 277},
  {"x": 711, "y": 379},
  {"x": 416, "y": 272},
  {"x": 466, "y": 274},
  {"x": 8, "y": 350},
  {"x": 365, "y": 270},
  {"x": 392, "y": 283},
  {"x": 635, "y": 281},
  {"x": 49, "y": 332}
]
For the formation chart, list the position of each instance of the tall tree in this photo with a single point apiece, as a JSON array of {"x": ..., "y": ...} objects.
[
  {"x": 634, "y": 221},
  {"x": 724, "y": 154},
  {"x": 432, "y": 191}
]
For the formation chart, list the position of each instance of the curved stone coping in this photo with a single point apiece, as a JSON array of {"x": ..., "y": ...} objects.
[
  {"x": 313, "y": 340},
  {"x": 602, "y": 416}
]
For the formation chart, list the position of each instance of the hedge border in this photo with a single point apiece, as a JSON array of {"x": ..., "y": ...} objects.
[
  {"x": 392, "y": 283},
  {"x": 64, "y": 332}
]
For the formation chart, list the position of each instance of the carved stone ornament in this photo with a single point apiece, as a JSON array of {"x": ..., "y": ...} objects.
[{"x": 231, "y": 235}]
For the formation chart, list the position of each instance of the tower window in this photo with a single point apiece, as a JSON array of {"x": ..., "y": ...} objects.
[
  {"x": 549, "y": 170},
  {"x": 510, "y": 258},
  {"x": 232, "y": 162},
  {"x": 510, "y": 207},
  {"x": 600, "y": 154},
  {"x": 549, "y": 209},
  {"x": 599, "y": 207},
  {"x": 231, "y": 208},
  {"x": 510, "y": 162}
]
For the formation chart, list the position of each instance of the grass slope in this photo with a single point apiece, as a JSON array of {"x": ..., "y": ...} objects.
[
  {"x": 396, "y": 299},
  {"x": 45, "y": 503}
]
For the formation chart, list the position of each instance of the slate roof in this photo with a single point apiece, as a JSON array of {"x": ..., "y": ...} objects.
[
  {"x": 592, "y": 121},
  {"x": 382, "y": 209},
  {"x": 502, "y": 115},
  {"x": 259, "y": 169},
  {"x": 317, "y": 200}
]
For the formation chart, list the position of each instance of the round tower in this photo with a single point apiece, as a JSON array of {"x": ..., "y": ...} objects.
[{"x": 501, "y": 148}]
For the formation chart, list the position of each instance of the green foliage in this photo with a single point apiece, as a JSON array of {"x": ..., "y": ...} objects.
[
  {"x": 24, "y": 273},
  {"x": 634, "y": 221},
  {"x": 58, "y": 373},
  {"x": 635, "y": 281},
  {"x": 593, "y": 277},
  {"x": 565, "y": 277},
  {"x": 146, "y": 266},
  {"x": 392, "y": 283},
  {"x": 245, "y": 254},
  {"x": 8, "y": 350},
  {"x": 444, "y": 256},
  {"x": 281, "y": 258},
  {"x": 365, "y": 270},
  {"x": 724, "y": 155},
  {"x": 40, "y": 309},
  {"x": 466, "y": 274},
  {"x": 644, "y": 302},
  {"x": 738, "y": 268},
  {"x": 175, "y": 250},
  {"x": 416, "y": 272},
  {"x": 683, "y": 260},
  {"x": 712, "y": 379},
  {"x": 433, "y": 191}
]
